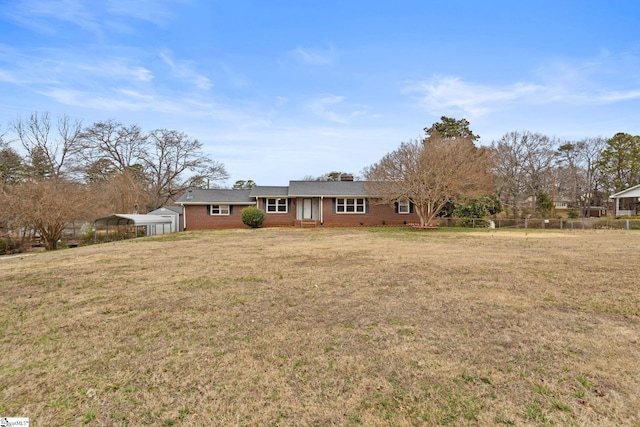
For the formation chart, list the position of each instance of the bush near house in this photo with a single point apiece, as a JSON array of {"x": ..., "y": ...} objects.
[{"x": 252, "y": 217}]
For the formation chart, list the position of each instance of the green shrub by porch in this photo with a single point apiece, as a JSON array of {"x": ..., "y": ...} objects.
[{"x": 252, "y": 216}]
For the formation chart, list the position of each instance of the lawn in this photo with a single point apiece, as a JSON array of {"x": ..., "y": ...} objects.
[{"x": 320, "y": 327}]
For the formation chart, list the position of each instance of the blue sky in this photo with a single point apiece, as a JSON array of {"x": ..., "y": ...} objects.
[{"x": 279, "y": 90}]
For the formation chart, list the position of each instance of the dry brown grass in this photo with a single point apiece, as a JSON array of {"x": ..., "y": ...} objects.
[{"x": 326, "y": 327}]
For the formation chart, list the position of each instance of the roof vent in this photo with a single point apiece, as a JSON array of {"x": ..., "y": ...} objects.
[
  {"x": 346, "y": 177},
  {"x": 190, "y": 195}
]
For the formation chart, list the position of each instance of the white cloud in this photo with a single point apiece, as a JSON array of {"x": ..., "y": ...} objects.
[
  {"x": 452, "y": 94},
  {"x": 604, "y": 80},
  {"x": 89, "y": 15},
  {"x": 314, "y": 56},
  {"x": 126, "y": 99},
  {"x": 334, "y": 109},
  {"x": 60, "y": 68},
  {"x": 154, "y": 11},
  {"x": 116, "y": 68},
  {"x": 321, "y": 108},
  {"x": 41, "y": 15},
  {"x": 617, "y": 96},
  {"x": 184, "y": 70},
  {"x": 234, "y": 78}
]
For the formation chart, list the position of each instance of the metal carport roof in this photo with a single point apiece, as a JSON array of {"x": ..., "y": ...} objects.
[{"x": 136, "y": 220}]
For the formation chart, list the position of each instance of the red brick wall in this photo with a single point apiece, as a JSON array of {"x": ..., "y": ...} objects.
[
  {"x": 278, "y": 219},
  {"x": 198, "y": 218},
  {"x": 375, "y": 216}
]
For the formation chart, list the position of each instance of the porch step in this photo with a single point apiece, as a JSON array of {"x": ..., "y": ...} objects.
[{"x": 308, "y": 223}]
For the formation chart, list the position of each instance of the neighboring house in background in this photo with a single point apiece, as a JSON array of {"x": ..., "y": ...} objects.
[
  {"x": 300, "y": 204},
  {"x": 172, "y": 212},
  {"x": 626, "y": 202}
]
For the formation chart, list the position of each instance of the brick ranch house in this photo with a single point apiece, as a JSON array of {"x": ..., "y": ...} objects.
[{"x": 300, "y": 204}]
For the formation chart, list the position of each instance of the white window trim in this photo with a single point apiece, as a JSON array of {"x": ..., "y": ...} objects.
[
  {"x": 222, "y": 210},
  {"x": 358, "y": 202},
  {"x": 402, "y": 205},
  {"x": 278, "y": 202}
]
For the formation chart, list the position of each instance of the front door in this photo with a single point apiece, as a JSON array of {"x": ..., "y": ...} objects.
[{"x": 306, "y": 209}]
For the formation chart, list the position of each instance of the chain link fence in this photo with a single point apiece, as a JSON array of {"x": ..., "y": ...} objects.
[{"x": 541, "y": 224}]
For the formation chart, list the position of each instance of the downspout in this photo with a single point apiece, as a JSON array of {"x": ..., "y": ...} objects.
[{"x": 321, "y": 210}]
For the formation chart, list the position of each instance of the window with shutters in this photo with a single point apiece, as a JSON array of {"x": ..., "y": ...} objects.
[
  {"x": 404, "y": 207},
  {"x": 277, "y": 205},
  {"x": 350, "y": 205},
  {"x": 219, "y": 210}
]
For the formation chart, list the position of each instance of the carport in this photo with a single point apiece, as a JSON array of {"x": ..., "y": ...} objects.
[{"x": 153, "y": 224}]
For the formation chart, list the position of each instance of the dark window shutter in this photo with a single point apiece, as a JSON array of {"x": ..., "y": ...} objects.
[
  {"x": 208, "y": 209},
  {"x": 230, "y": 210},
  {"x": 366, "y": 206},
  {"x": 395, "y": 207},
  {"x": 333, "y": 205},
  {"x": 410, "y": 207}
]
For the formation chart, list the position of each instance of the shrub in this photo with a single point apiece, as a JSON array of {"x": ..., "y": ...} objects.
[
  {"x": 475, "y": 212},
  {"x": 573, "y": 214},
  {"x": 10, "y": 246},
  {"x": 472, "y": 222},
  {"x": 252, "y": 217}
]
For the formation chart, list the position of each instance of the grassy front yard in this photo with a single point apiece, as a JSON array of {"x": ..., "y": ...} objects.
[{"x": 326, "y": 327}]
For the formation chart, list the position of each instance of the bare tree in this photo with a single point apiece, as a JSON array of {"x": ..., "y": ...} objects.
[
  {"x": 46, "y": 206},
  {"x": 590, "y": 150},
  {"x": 522, "y": 165},
  {"x": 111, "y": 146},
  {"x": 122, "y": 192},
  {"x": 48, "y": 149},
  {"x": 430, "y": 174},
  {"x": 173, "y": 162},
  {"x": 569, "y": 179}
]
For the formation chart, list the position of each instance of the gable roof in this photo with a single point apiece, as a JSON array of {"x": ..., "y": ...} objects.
[
  {"x": 269, "y": 191},
  {"x": 217, "y": 195},
  {"x": 629, "y": 192},
  {"x": 295, "y": 189},
  {"x": 166, "y": 210},
  {"x": 327, "y": 188}
]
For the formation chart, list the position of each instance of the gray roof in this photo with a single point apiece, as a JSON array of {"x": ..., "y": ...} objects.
[
  {"x": 166, "y": 210},
  {"x": 269, "y": 191},
  {"x": 295, "y": 189},
  {"x": 137, "y": 220},
  {"x": 217, "y": 195},
  {"x": 327, "y": 188}
]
